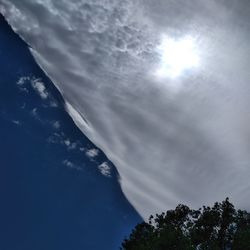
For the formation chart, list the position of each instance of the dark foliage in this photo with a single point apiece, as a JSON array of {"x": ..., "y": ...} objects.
[{"x": 220, "y": 227}]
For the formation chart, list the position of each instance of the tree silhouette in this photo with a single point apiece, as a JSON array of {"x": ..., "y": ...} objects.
[{"x": 219, "y": 227}]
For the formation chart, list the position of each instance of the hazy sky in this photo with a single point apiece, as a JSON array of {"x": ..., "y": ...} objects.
[{"x": 162, "y": 87}]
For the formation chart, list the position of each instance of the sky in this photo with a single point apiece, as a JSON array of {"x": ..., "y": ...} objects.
[
  {"x": 57, "y": 189},
  {"x": 160, "y": 87}
]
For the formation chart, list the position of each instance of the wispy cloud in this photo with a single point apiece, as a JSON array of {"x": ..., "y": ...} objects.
[
  {"x": 17, "y": 122},
  {"x": 56, "y": 138},
  {"x": 92, "y": 153},
  {"x": 56, "y": 124},
  {"x": 21, "y": 83},
  {"x": 105, "y": 169},
  {"x": 34, "y": 113},
  {"x": 60, "y": 138},
  {"x": 71, "y": 165},
  {"x": 39, "y": 87},
  {"x": 70, "y": 145}
]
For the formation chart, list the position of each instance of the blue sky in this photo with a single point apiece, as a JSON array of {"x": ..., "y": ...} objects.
[{"x": 57, "y": 190}]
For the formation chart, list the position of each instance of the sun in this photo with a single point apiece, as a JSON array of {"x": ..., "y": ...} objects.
[{"x": 177, "y": 56}]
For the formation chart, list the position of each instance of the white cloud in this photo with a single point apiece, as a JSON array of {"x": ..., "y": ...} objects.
[
  {"x": 39, "y": 87},
  {"x": 21, "y": 83},
  {"x": 60, "y": 138},
  {"x": 34, "y": 112},
  {"x": 56, "y": 138},
  {"x": 17, "y": 122},
  {"x": 70, "y": 164},
  {"x": 168, "y": 147},
  {"x": 56, "y": 124},
  {"x": 73, "y": 145},
  {"x": 22, "y": 80},
  {"x": 53, "y": 104},
  {"x": 105, "y": 169},
  {"x": 70, "y": 145},
  {"x": 67, "y": 142},
  {"x": 92, "y": 153}
]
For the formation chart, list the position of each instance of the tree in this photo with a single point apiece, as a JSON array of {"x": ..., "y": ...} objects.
[{"x": 208, "y": 228}]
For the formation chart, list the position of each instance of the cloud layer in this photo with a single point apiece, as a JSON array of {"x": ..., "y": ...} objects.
[{"x": 172, "y": 140}]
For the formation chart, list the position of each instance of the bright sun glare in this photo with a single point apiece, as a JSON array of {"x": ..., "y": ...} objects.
[{"x": 177, "y": 56}]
